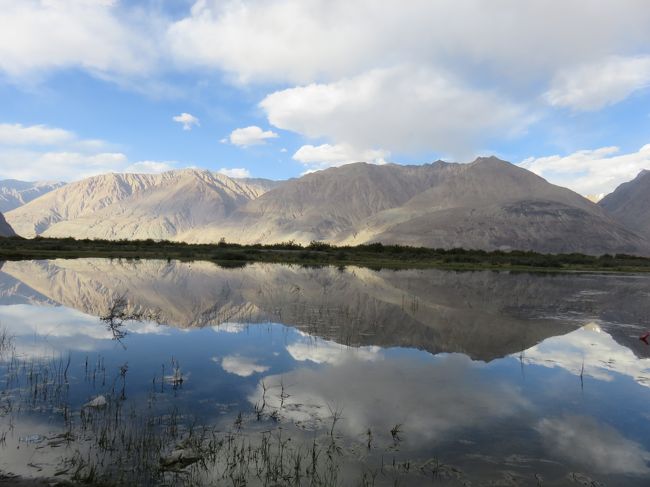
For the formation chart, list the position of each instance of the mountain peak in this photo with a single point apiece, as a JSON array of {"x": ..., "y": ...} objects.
[
  {"x": 15, "y": 193},
  {"x": 485, "y": 160},
  {"x": 629, "y": 203}
]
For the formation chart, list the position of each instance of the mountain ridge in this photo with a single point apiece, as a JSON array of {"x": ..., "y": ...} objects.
[
  {"x": 630, "y": 203},
  {"x": 15, "y": 193}
]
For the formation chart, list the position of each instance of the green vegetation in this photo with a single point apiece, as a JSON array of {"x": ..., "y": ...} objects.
[{"x": 375, "y": 255}]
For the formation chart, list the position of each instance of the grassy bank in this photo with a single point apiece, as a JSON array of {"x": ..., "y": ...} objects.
[{"x": 318, "y": 253}]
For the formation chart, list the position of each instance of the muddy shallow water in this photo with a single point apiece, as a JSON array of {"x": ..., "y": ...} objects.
[{"x": 275, "y": 375}]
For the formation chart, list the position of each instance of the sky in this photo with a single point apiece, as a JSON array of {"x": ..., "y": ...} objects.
[{"x": 278, "y": 88}]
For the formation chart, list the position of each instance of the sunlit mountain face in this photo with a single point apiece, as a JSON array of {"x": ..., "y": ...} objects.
[{"x": 111, "y": 368}]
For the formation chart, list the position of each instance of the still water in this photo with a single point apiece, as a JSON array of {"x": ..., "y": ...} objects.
[{"x": 278, "y": 375}]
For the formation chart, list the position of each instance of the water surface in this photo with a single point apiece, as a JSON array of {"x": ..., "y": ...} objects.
[{"x": 384, "y": 377}]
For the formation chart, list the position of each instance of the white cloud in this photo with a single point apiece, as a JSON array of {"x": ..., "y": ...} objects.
[
  {"x": 235, "y": 172},
  {"x": 63, "y": 165},
  {"x": 591, "y": 352},
  {"x": 594, "y": 445},
  {"x": 252, "y": 135},
  {"x": 326, "y": 155},
  {"x": 327, "y": 352},
  {"x": 17, "y": 134},
  {"x": 591, "y": 172},
  {"x": 396, "y": 109},
  {"x": 96, "y": 35},
  {"x": 187, "y": 120},
  {"x": 454, "y": 389},
  {"x": 452, "y": 91},
  {"x": 151, "y": 167},
  {"x": 596, "y": 85},
  {"x": 241, "y": 366},
  {"x": 39, "y": 152},
  {"x": 61, "y": 329},
  {"x": 457, "y": 91},
  {"x": 231, "y": 327},
  {"x": 301, "y": 41}
]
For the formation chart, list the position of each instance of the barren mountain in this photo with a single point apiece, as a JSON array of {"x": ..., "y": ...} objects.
[
  {"x": 5, "y": 228},
  {"x": 488, "y": 204},
  {"x": 15, "y": 193},
  {"x": 321, "y": 205},
  {"x": 491, "y": 204},
  {"x": 134, "y": 206},
  {"x": 630, "y": 203}
]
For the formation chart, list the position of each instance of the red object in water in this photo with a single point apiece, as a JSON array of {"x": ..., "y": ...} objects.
[{"x": 644, "y": 337}]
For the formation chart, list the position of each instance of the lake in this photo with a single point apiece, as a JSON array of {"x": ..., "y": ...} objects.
[{"x": 173, "y": 373}]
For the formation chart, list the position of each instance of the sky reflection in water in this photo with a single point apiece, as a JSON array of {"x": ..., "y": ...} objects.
[{"x": 574, "y": 399}]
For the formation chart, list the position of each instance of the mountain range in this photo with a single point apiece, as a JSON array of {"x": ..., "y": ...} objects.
[
  {"x": 14, "y": 193},
  {"x": 488, "y": 204}
]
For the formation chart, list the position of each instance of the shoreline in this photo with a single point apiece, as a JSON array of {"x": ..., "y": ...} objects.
[{"x": 321, "y": 254}]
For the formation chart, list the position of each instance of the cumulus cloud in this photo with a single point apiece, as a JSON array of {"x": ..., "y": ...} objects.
[
  {"x": 328, "y": 352},
  {"x": 327, "y": 155},
  {"x": 591, "y": 172},
  {"x": 187, "y": 120},
  {"x": 18, "y": 134},
  {"x": 253, "y": 135},
  {"x": 294, "y": 41},
  {"x": 595, "y": 85},
  {"x": 455, "y": 390},
  {"x": 235, "y": 172},
  {"x": 241, "y": 366},
  {"x": 397, "y": 109},
  {"x": 99, "y": 36},
  {"x": 456, "y": 91}
]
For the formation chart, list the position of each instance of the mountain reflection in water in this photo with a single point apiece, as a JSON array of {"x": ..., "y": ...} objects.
[{"x": 497, "y": 377}]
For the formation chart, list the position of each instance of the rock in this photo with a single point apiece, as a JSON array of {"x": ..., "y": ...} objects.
[
  {"x": 98, "y": 402},
  {"x": 179, "y": 458}
]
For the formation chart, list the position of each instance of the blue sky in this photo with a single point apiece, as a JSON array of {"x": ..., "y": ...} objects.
[{"x": 282, "y": 87}]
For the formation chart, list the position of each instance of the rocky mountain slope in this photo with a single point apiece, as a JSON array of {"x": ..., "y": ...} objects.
[
  {"x": 321, "y": 205},
  {"x": 134, "y": 206},
  {"x": 630, "y": 203},
  {"x": 491, "y": 204},
  {"x": 14, "y": 193},
  {"x": 5, "y": 228}
]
